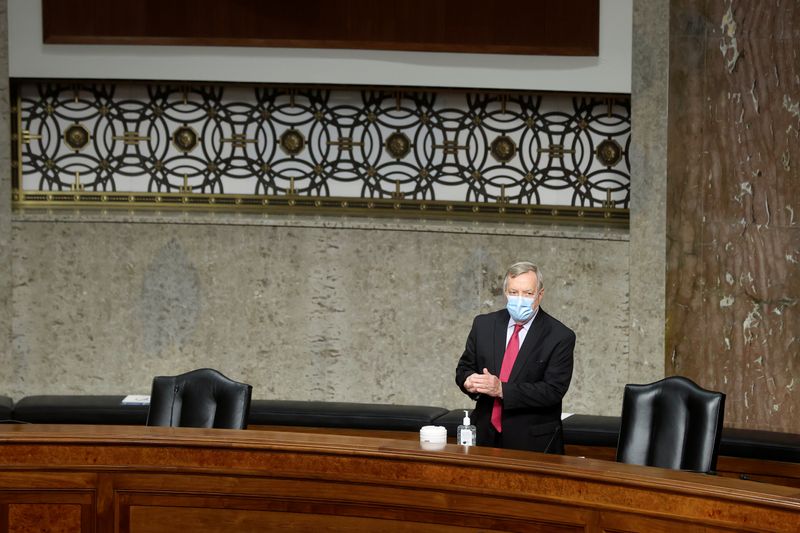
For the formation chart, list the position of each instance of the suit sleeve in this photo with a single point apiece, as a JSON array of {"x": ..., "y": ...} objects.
[
  {"x": 552, "y": 387},
  {"x": 468, "y": 363}
]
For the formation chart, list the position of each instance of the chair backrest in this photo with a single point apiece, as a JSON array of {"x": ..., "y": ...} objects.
[
  {"x": 201, "y": 398},
  {"x": 672, "y": 423}
]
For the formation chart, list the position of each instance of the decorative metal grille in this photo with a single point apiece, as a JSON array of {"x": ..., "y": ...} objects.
[{"x": 507, "y": 154}]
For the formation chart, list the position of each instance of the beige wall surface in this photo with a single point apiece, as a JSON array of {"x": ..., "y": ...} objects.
[
  {"x": 366, "y": 312},
  {"x": 379, "y": 311}
]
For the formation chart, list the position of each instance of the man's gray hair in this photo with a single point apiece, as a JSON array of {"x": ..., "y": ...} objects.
[{"x": 521, "y": 268}]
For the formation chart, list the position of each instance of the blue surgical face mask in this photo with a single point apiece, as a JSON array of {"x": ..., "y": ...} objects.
[{"x": 520, "y": 308}]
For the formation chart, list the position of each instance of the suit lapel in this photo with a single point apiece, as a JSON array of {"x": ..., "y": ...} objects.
[
  {"x": 532, "y": 343},
  {"x": 500, "y": 329}
]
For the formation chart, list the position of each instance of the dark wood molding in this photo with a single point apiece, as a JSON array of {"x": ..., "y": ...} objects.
[
  {"x": 148, "y": 479},
  {"x": 533, "y": 27}
]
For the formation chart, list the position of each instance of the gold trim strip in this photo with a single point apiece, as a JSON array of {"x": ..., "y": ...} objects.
[{"x": 341, "y": 206}]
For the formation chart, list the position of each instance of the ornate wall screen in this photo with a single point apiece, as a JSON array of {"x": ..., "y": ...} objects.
[{"x": 514, "y": 156}]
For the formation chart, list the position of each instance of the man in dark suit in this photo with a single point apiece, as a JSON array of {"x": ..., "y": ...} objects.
[{"x": 517, "y": 364}]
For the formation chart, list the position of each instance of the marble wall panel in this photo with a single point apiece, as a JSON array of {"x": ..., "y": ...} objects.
[
  {"x": 316, "y": 312},
  {"x": 734, "y": 253}
]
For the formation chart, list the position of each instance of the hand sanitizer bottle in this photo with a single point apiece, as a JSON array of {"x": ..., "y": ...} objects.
[{"x": 466, "y": 432}]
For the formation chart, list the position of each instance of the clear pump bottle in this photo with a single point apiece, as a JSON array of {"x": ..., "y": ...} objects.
[{"x": 466, "y": 432}]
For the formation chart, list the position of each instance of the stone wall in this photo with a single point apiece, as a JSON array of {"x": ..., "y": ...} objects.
[
  {"x": 733, "y": 283},
  {"x": 303, "y": 309}
]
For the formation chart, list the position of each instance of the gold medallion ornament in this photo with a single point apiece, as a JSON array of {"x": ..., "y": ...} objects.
[
  {"x": 398, "y": 145},
  {"x": 503, "y": 149},
  {"x": 609, "y": 152},
  {"x": 76, "y": 137},
  {"x": 292, "y": 142},
  {"x": 184, "y": 139}
]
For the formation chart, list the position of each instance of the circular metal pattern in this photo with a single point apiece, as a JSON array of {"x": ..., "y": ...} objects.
[
  {"x": 503, "y": 149},
  {"x": 398, "y": 145},
  {"x": 609, "y": 152},
  {"x": 292, "y": 142},
  {"x": 481, "y": 148},
  {"x": 184, "y": 139},
  {"x": 76, "y": 137}
]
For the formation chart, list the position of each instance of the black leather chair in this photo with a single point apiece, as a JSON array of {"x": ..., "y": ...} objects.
[
  {"x": 201, "y": 398},
  {"x": 672, "y": 423}
]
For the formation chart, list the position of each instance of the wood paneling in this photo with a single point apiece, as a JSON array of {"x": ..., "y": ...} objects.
[
  {"x": 733, "y": 198},
  {"x": 568, "y": 27},
  {"x": 50, "y": 503},
  {"x": 159, "y": 519},
  {"x": 779, "y": 473},
  {"x": 163, "y": 479},
  {"x": 53, "y": 518}
]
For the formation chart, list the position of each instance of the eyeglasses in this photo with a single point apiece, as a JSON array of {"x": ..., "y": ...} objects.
[{"x": 524, "y": 294}]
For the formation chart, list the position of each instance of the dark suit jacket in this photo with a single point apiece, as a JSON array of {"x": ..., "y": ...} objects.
[{"x": 538, "y": 381}]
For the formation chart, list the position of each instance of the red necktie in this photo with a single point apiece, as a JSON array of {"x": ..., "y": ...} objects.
[{"x": 505, "y": 371}]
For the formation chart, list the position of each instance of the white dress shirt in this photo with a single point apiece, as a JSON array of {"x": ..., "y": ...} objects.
[{"x": 523, "y": 332}]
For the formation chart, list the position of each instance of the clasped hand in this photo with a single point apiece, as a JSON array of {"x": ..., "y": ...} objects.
[{"x": 485, "y": 383}]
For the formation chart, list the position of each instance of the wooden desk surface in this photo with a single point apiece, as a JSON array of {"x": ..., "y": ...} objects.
[{"x": 147, "y": 479}]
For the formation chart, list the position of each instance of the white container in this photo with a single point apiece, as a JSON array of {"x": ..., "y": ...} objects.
[{"x": 433, "y": 437}]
